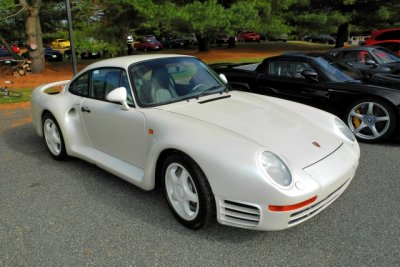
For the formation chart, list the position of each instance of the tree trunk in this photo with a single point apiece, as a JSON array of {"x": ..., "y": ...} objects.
[
  {"x": 342, "y": 35},
  {"x": 204, "y": 44},
  {"x": 34, "y": 35},
  {"x": 231, "y": 42}
]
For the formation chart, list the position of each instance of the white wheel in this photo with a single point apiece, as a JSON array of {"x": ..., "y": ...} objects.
[
  {"x": 187, "y": 191},
  {"x": 53, "y": 137},
  {"x": 181, "y": 191}
]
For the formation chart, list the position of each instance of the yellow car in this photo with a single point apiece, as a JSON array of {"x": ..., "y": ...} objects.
[{"x": 60, "y": 43}]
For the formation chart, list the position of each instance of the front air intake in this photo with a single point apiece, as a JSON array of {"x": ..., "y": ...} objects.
[{"x": 239, "y": 214}]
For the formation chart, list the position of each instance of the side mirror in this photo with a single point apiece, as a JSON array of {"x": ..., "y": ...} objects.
[
  {"x": 310, "y": 75},
  {"x": 223, "y": 78},
  {"x": 118, "y": 95},
  {"x": 371, "y": 62}
]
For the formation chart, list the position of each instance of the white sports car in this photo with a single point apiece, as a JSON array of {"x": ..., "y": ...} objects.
[{"x": 250, "y": 161}]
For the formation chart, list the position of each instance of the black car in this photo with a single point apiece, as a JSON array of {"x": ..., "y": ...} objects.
[
  {"x": 6, "y": 58},
  {"x": 52, "y": 55},
  {"x": 88, "y": 54},
  {"x": 174, "y": 42},
  {"x": 369, "y": 59},
  {"x": 322, "y": 38},
  {"x": 369, "y": 106}
]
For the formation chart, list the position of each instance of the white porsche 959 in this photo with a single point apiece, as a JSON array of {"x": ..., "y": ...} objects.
[{"x": 248, "y": 160}]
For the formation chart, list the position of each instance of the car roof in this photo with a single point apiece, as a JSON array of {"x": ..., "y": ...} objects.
[
  {"x": 384, "y": 30},
  {"x": 126, "y": 61},
  {"x": 300, "y": 54}
]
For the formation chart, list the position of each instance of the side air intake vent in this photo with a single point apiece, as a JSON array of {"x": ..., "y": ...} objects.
[{"x": 239, "y": 214}]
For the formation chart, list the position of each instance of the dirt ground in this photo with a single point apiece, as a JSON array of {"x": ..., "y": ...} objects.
[{"x": 63, "y": 70}]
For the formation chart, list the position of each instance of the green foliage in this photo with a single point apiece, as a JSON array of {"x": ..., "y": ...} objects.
[
  {"x": 205, "y": 18},
  {"x": 243, "y": 16},
  {"x": 9, "y": 21},
  {"x": 102, "y": 24},
  {"x": 384, "y": 13}
]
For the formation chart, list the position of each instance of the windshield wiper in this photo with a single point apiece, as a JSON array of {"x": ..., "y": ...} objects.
[{"x": 208, "y": 90}]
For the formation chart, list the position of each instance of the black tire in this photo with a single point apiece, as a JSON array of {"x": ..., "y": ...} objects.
[
  {"x": 53, "y": 138},
  {"x": 371, "y": 120},
  {"x": 192, "y": 214}
]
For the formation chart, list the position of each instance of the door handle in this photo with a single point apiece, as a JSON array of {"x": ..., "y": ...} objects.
[{"x": 85, "y": 109}]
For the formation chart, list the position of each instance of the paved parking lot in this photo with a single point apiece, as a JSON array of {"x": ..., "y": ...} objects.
[{"x": 75, "y": 214}]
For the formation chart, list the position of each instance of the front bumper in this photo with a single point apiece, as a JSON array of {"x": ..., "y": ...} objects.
[{"x": 333, "y": 174}]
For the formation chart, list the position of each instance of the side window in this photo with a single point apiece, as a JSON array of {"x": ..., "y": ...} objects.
[
  {"x": 80, "y": 86},
  {"x": 299, "y": 67},
  {"x": 366, "y": 56},
  {"x": 290, "y": 69},
  {"x": 279, "y": 68},
  {"x": 352, "y": 57},
  {"x": 107, "y": 79}
]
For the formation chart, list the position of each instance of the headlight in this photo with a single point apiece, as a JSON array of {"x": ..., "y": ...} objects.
[
  {"x": 344, "y": 130},
  {"x": 275, "y": 168}
]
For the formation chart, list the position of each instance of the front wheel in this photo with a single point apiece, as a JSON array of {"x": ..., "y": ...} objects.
[
  {"x": 54, "y": 138},
  {"x": 187, "y": 191},
  {"x": 371, "y": 120}
]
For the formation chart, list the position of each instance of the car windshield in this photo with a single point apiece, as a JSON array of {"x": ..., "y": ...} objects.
[
  {"x": 384, "y": 56},
  {"x": 337, "y": 71},
  {"x": 173, "y": 79}
]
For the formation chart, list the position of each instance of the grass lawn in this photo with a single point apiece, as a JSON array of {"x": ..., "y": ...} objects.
[{"x": 26, "y": 95}]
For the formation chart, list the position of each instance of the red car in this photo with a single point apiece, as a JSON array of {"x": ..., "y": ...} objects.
[
  {"x": 383, "y": 35},
  {"x": 15, "y": 48},
  {"x": 248, "y": 37},
  {"x": 147, "y": 43}
]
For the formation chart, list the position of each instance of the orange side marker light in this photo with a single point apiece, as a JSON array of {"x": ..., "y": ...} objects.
[{"x": 292, "y": 207}]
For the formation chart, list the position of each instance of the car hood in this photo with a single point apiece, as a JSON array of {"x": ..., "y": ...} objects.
[{"x": 269, "y": 124}]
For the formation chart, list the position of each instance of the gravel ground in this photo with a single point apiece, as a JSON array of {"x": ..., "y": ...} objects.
[{"x": 75, "y": 214}]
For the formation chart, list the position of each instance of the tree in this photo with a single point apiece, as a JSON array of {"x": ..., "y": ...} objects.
[
  {"x": 34, "y": 34},
  {"x": 342, "y": 17},
  {"x": 206, "y": 19}
]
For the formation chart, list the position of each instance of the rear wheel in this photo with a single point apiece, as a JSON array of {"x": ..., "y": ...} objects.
[
  {"x": 371, "y": 120},
  {"x": 53, "y": 138},
  {"x": 187, "y": 191}
]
